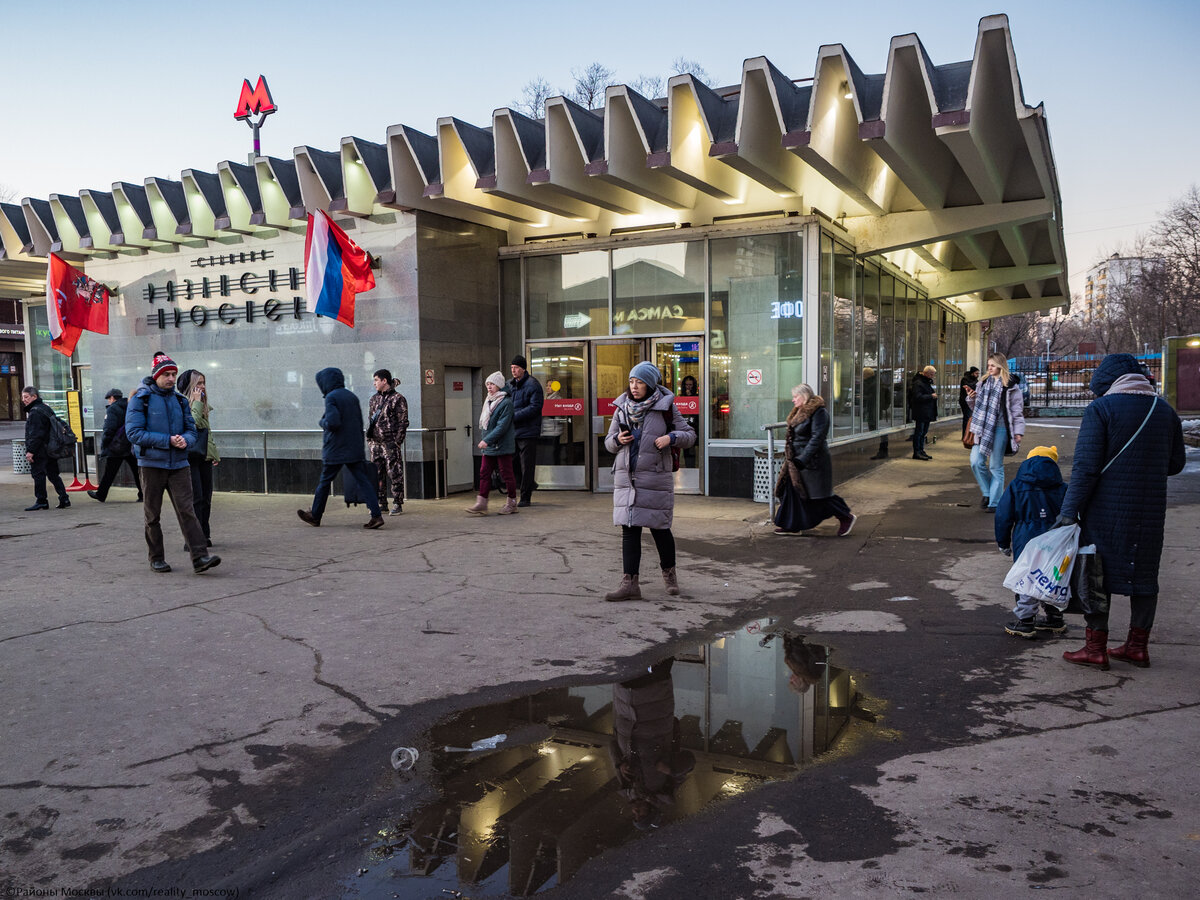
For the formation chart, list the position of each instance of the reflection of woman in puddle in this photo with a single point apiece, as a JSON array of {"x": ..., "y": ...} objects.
[
  {"x": 807, "y": 664},
  {"x": 645, "y": 747},
  {"x": 689, "y": 387}
]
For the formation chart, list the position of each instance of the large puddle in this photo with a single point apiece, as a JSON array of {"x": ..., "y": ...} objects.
[{"x": 533, "y": 788}]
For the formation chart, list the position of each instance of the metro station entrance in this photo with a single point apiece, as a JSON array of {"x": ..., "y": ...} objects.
[{"x": 581, "y": 380}]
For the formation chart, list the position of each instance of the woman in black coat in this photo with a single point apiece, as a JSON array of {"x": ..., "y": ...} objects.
[
  {"x": 1123, "y": 508},
  {"x": 808, "y": 497}
]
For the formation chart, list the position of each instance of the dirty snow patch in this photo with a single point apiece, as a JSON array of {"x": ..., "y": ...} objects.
[
  {"x": 770, "y": 825},
  {"x": 643, "y": 882},
  {"x": 867, "y": 585},
  {"x": 853, "y": 620}
]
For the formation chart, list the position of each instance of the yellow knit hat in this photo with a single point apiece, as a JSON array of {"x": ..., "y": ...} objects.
[{"x": 1051, "y": 452}]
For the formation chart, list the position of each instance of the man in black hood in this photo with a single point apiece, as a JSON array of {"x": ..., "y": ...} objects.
[
  {"x": 42, "y": 466},
  {"x": 115, "y": 447}
]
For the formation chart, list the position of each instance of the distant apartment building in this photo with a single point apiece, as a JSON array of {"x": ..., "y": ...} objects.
[{"x": 1107, "y": 280}]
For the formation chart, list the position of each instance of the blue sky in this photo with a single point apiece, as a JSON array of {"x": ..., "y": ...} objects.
[{"x": 99, "y": 93}]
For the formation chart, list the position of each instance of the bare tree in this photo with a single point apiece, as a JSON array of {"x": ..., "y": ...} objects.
[
  {"x": 590, "y": 83},
  {"x": 650, "y": 86},
  {"x": 1015, "y": 335},
  {"x": 533, "y": 98},
  {"x": 681, "y": 65},
  {"x": 7, "y": 193},
  {"x": 1176, "y": 240}
]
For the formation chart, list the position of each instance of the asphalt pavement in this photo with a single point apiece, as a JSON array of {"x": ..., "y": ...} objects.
[{"x": 230, "y": 731}]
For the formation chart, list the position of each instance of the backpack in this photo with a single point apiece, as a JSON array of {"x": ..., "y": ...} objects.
[
  {"x": 120, "y": 445},
  {"x": 60, "y": 441}
]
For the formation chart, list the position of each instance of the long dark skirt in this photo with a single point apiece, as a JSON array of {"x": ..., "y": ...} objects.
[{"x": 795, "y": 513}]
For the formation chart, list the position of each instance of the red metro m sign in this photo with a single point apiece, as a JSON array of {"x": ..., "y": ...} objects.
[{"x": 254, "y": 100}]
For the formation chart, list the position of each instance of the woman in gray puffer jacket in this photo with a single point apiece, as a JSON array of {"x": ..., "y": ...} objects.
[{"x": 643, "y": 474}]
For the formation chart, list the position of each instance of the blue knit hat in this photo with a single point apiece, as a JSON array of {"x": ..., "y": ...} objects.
[{"x": 647, "y": 372}]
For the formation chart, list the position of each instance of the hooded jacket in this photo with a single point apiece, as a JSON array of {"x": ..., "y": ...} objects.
[
  {"x": 37, "y": 427},
  {"x": 153, "y": 415},
  {"x": 114, "y": 421},
  {"x": 342, "y": 422},
  {"x": 1030, "y": 504},
  {"x": 1123, "y": 511},
  {"x": 644, "y": 491}
]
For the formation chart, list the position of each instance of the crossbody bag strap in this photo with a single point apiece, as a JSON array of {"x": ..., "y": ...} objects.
[{"x": 1153, "y": 404}]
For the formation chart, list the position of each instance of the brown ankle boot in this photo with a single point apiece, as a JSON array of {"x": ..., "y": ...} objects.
[
  {"x": 1094, "y": 651},
  {"x": 509, "y": 508},
  {"x": 671, "y": 582},
  {"x": 480, "y": 507},
  {"x": 1134, "y": 650},
  {"x": 628, "y": 590}
]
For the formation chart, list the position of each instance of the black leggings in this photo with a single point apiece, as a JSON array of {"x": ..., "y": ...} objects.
[
  {"x": 631, "y": 547},
  {"x": 1141, "y": 613}
]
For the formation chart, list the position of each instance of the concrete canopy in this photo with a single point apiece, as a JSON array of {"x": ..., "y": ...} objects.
[{"x": 944, "y": 170}]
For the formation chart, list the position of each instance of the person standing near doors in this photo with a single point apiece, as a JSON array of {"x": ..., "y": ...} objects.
[
  {"x": 42, "y": 466},
  {"x": 115, "y": 448},
  {"x": 924, "y": 409},
  {"x": 525, "y": 393},
  {"x": 387, "y": 417},
  {"x": 203, "y": 458}
]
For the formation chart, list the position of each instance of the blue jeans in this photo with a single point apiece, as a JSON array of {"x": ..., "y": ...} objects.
[
  {"x": 920, "y": 430},
  {"x": 356, "y": 470},
  {"x": 989, "y": 473}
]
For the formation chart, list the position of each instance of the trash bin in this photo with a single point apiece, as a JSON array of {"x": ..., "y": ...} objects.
[
  {"x": 20, "y": 463},
  {"x": 764, "y": 479}
]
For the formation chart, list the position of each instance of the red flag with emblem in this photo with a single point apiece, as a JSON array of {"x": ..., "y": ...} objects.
[{"x": 74, "y": 303}]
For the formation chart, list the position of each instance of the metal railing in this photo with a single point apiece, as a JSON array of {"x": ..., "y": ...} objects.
[
  {"x": 769, "y": 429},
  {"x": 439, "y": 448}
]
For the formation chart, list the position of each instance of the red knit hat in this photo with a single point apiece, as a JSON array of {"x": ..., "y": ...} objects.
[{"x": 162, "y": 363}]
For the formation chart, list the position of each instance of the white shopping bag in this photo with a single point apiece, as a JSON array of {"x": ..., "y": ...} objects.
[{"x": 1043, "y": 570}]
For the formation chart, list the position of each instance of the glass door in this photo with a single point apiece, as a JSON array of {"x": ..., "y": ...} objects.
[
  {"x": 611, "y": 362},
  {"x": 678, "y": 358},
  {"x": 561, "y": 369}
]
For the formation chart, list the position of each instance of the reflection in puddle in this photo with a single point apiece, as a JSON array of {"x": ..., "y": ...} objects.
[{"x": 578, "y": 770}]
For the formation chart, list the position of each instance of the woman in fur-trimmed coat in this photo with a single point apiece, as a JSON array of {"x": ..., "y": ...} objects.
[{"x": 808, "y": 498}]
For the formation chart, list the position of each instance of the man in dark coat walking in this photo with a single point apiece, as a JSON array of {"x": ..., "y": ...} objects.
[
  {"x": 526, "y": 396},
  {"x": 924, "y": 409},
  {"x": 42, "y": 466},
  {"x": 115, "y": 447},
  {"x": 1130, "y": 441},
  {"x": 342, "y": 445}
]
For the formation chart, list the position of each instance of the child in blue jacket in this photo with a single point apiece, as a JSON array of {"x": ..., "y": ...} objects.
[{"x": 1028, "y": 508}]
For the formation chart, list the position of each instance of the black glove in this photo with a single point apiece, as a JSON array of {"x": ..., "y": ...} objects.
[
  {"x": 1064, "y": 522},
  {"x": 799, "y": 464}
]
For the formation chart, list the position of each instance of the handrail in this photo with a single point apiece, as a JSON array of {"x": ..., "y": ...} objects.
[
  {"x": 439, "y": 447},
  {"x": 769, "y": 427}
]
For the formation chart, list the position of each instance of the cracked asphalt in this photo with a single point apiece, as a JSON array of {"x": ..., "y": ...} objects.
[{"x": 232, "y": 730}]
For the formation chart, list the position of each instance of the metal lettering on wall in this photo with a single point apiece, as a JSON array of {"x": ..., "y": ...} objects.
[
  {"x": 224, "y": 285},
  {"x": 228, "y": 313}
]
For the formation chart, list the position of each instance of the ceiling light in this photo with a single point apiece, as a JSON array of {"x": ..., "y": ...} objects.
[{"x": 847, "y": 94}]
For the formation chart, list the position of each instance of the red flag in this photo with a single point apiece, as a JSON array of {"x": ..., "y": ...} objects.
[{"x": 74, "y": 303}]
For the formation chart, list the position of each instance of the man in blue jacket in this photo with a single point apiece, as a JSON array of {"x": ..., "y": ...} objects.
[
  {"x": 159, "y": 425},
  {"x": 342, "y": 445},
  {"x": 526, "y": 395}
]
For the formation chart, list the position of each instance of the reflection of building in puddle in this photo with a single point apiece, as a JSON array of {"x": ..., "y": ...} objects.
[{"x": 747, "y": 708}]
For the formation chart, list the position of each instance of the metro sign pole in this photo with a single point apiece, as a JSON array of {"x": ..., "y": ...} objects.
[{"x": 255, "y": 100}]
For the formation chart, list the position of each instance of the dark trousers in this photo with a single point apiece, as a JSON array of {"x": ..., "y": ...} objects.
[
  {"x": 1142, "y": 608},
  {"x": 355, "y": 470},
  {"x": 966, "y": 413},
  {"x": 178, "y": 484},
  {"x": 631, "y": 548},
  {"x": 525, "y": 464},
  {"x": 112, "y": 467},
  {"x": 43, "y": 469},
  {"x": 202, "y": 493},
  {"x": 489, "y": 464},
  {"x": 390, "y": 458},
  {"x": 920, "y": 430}
]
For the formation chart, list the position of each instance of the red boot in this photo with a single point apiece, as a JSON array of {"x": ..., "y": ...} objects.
[
  {"x": 1094, "y": 651},
  {"x": 1134, "y": 649}
]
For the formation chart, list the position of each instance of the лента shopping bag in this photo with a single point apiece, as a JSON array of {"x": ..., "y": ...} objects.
[{"x": 1043, "y": 570}]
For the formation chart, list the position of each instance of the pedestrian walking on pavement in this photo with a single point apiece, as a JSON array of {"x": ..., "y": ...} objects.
[
  {"x": 39, "y": 419},
  {"x": 924, "y": 409},
  {"x": 160, "y": 427},
  {"x": 498, "y": 443},
  {"x": 387, "y": 418},
  {"x": 115, "y": 448},
  {"x": 998, "y": 424},
  {"x": 204, "y": 456},
  {"x": 966, "y": 387},
  {"x": 808, "y": 498},
  {"x": 646, "y": 427},
  {"x": 525, "y": 393},
  {"x": 1028, "y": 508},
  {"x": 341, "y": 445},
  {"x": 1130, "y": 442}
]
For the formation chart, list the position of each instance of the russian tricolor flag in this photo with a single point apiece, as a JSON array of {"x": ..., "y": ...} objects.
[{"x": 335, "y": 269}]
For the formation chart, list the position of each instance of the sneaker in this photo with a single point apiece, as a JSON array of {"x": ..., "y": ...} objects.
[
  {"x": 846, "y": 525},
  {"x": 1022, "y": 628},
  {"x": 397, "y": 509},
  {"x": 1052, "y": 621}
]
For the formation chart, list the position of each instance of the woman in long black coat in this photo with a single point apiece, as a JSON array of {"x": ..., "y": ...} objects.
[
  {"x": 813, "y": 501},
  {"x": 1123, "y": 509}
]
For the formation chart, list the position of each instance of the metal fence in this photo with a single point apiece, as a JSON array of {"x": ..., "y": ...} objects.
[{"x": 1062, "y": 381}]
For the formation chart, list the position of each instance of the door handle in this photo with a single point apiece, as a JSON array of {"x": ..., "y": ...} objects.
[{"x": 468, "y": 431}]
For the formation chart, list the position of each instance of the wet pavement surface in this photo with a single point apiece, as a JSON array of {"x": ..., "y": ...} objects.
[{"x": 232, "y": 733}]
